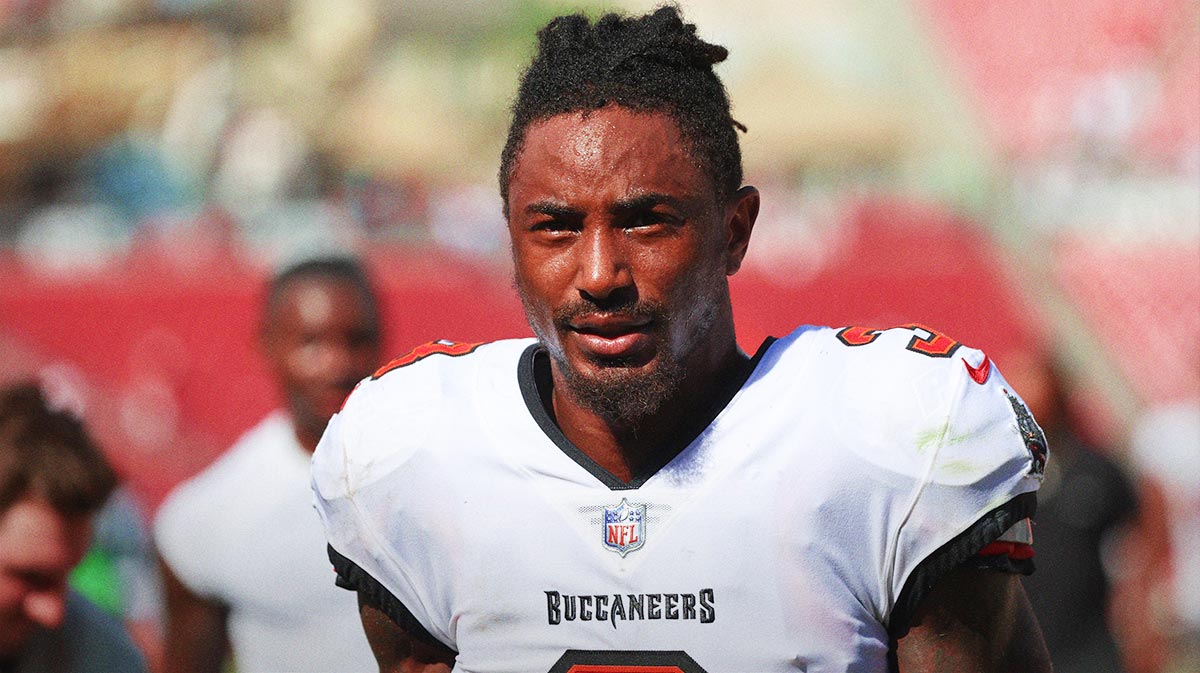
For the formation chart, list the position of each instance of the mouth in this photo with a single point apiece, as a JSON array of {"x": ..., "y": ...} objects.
[{"x": 610, "y": 337}]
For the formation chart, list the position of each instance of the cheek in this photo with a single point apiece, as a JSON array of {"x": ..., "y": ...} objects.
[
  {"x": 678, "y": 275},
  {"x": 10, "y": 595},
  {"x": 532, "y": 295},
  {"x": 542, "y": 279},
  {"x": 693, "y": 299},
  {"x": 543, "y": 270}
]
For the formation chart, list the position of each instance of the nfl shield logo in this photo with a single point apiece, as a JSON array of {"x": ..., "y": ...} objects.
[{"x": 624, "y": 527}]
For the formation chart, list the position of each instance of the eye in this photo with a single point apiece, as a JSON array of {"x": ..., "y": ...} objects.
[
  {"x": 40, "y": 581},
  {"x": 651, "y": 220},
  {"x": 554, "y": 228},
  {"x": 550, "y": 225}
]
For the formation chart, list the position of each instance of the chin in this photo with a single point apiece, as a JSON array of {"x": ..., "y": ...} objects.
[
  {"x": 13, "y": 639},
  {"x": 624, "y": 392}
]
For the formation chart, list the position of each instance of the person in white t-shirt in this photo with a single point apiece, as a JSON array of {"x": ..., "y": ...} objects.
[
  {"x": 243, "y": 552},
  {"x": 630, "y": 491}
]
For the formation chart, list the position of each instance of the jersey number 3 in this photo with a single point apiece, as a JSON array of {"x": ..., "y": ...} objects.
[
  {"x": 609, "y": 661},
  {"x": 925, "y": 341}
]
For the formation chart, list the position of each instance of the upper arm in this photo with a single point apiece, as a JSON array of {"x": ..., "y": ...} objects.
[
  {"x": 396, "y": 650},
  {"x": 196, "y": 640},
  {"x": 973, "y": 620}
]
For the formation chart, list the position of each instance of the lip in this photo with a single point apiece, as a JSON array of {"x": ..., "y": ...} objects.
[
  {"x": 609, "y": 326},
  {"x": 611, "y": 336}
]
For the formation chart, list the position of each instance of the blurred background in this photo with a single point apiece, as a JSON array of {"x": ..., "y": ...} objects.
[{"x": 1022, "y": 175}]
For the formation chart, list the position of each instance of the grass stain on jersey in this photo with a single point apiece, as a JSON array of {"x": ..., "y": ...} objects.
[{"x": 958, "y": 468}]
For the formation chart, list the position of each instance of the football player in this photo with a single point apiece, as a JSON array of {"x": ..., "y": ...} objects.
[{"x": 629, "y": 491}]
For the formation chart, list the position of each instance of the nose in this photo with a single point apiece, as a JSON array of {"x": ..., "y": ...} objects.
[
  {"x": 330, "y": 360},
  {"x": 46, "y": 608},
  {"x": 603, "y": 273},
  {"x": 337, "y": 359}
]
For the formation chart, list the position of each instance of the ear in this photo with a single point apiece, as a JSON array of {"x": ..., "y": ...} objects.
[{"x": 739, "y": 218}]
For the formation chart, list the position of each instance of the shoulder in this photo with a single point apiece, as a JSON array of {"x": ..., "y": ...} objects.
[
  {"x": 905, "y": 371},
  {"x": 904, "y": 396},
  {"x": 890, "y": 360},
  {"x": 438, "y": 372},
  {"x": 239, "y": 468},
  {"x": 882, "y": 358},
  {"x": 395, "y": 412},
  {"x": 930, "y": 429},
  {"x": 195, "y": 514}
]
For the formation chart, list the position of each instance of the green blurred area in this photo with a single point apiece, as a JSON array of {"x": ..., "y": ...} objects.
[{"x": 96, "y": 578}]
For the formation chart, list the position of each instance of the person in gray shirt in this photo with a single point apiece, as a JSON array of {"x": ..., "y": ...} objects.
[{"x": 53, "y": 480}]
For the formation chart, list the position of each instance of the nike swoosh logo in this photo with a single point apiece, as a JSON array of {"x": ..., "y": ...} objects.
[{"x": 981, "y": 373}]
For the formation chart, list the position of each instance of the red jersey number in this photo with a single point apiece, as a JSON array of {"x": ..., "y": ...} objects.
[
  {"x": 606, "y": 661},
  {"x": 925, "y": 340}
]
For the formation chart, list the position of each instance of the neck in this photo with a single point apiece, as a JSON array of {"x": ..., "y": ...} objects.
[
  {"x": 628, "y": 447},
  {"x": 307, "y": 437}
]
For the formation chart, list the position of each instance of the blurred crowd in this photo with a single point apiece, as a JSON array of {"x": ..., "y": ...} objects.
[{"x": 205, "y": 122}]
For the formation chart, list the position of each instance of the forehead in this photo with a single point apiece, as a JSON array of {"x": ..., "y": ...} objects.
[
  {"x": 34, "y": 534},
  {"x": 604, "y": 154},
  {"x": 316, "y": 300}
]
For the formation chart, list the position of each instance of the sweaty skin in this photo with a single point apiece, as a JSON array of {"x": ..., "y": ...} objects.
[{"x": 621, "y": 252}]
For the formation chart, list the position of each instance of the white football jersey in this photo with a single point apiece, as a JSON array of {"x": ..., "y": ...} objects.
[{"x": 801, "y": 524}]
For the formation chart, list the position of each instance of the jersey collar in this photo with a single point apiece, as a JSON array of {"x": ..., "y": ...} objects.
[{"x": 533, "y": 376}]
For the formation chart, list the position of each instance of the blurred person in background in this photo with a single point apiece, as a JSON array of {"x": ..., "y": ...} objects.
[
  {"x": 244, "y": 563},
  {"x": 53, "y": 480},
  {"x": 1165, "y": 445},
  {"x": 1089, "y": 509},
  {"x": 120, "y": 574}
]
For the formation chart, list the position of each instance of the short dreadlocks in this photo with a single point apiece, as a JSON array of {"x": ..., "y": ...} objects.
[{"x": 651, "y": 63}]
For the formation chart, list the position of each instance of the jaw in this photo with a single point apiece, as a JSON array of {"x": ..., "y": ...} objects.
[{"x": 620, "y": 394}]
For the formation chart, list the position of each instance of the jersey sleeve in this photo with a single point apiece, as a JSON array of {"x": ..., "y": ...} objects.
[
  {"x": 358, "y": 475},
  {"x": 978, "y": 486}
]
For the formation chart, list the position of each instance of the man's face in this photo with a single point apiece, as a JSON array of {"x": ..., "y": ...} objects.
[
  {"x": 38, "y": 547},
  {"x": 621, "y": 251},
  {"x": 320, "y": 339}
]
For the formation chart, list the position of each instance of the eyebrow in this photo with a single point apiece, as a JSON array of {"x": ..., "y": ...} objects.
[
  {"x": 640, "y": 202},
  {"x": 648, "y": 201},
  {"x": 553, "y": 209}
]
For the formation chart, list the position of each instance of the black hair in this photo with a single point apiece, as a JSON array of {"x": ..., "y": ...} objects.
[
  {"x": 342, "y": 269},
  {"x": 46, "y": 453},
  {"x": 650, "y": 63}
]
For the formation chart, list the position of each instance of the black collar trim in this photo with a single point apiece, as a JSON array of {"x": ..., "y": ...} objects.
[{"x": 533, "y": 376}]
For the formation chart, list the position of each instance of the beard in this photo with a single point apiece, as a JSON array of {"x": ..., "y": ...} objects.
[
  {"x": 621, "y": 394},
  {"x": 620, "y": 391}
]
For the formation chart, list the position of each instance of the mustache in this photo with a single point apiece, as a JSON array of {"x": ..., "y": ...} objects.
[{"x": 632, "y": 309}]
